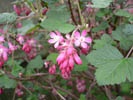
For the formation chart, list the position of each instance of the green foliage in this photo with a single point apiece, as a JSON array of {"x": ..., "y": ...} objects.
[
  {"x": 82, "y": 97},
  {"x": 105, "y": 40},
  {"x": 27, "y": 26},
  {"x": 32, "y": 97},
  {"x": 7, "y": 82},
  {"x": 84, "y": 66},
  {"x": 35, "y": 63},
  {"x": 126, "y": 87},
  {"x": 17, "y": 69},
  {"x": 112, "y": 68},
  {"x": 119, "y": 98},
  {"x": 102, "y": 26},
  {"x": 101, "y": 3},
  {"x": 7, "y": 18},
  {"x": 124, "y": 34},
  {"x": 56, "y": 20},
  {"x": 52, "y": 57},
  {"x": 103, "y": 12},
  {"x": 123, "y": 13}
]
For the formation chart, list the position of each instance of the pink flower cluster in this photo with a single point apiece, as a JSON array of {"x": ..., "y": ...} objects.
[
  {"x": 21, "y": 10},
  {"x": 80, "y": 85},
  {"x": 5, "y": 51},
  {"x": 28, "y": 45},
  {"x": 69, "y": 56}
]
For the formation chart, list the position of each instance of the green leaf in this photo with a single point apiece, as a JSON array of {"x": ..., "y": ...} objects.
[
  {"x": 112, "y": 68},
  {"x": 104, "y": 55},
  {"x": 101, "y": 27},
  {"x": 119, "y": 98},
  {"x": 84, "y": 65},
  {"x": 53, "y": 24},
  {"x": 7, "y": 18},
  {"x": 128, "y": 30},
  {"x": 6, "y": 82},
  {"x": 32, "y": 97},
  {"x": 126, "y": 87},
  {"x": 82, "y": 97},
  {"x": 124, "y": 34},
  {"x": 36, "y": 63},
  {"x": 105, "y": 40},
  {"x": 27, "y": 26},
  {"x": 123, "y": 13},
  {"x": 52, "y": 57},
  {"x": 17, "y": 69},
  {"x": 102, "y": 12},
  {"x": 57, "y": 20},
  {"x": 101, "y": 3}
]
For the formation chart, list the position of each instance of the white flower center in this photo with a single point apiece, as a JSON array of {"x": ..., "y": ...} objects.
[
  {"x": 1, "y": 51},
  {"x": 82, "y": 39},
  {"x": 56, "y": 38}
]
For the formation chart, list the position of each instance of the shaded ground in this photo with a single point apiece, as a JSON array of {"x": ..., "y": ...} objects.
[{"x": 5, "y": 5}]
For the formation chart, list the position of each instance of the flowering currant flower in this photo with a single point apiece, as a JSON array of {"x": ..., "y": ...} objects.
[
  {"x": 80, "y": 85},
  {"x": 12, "y": 47},
  {"x": 20, "y": 39},
  {"x": 1, "y": 90},
  {"x": 52, "y": 69},
  {"x": 56, "y": 38},
  {"x": 82, "y": 40},
  {"x": 66, "y": 60},
  {"x": 17, "y": 9},
  {"x": 3, "y": 55},
  {"x": 2, "y": 39}
]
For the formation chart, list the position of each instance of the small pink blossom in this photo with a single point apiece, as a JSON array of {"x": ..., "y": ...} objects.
[
  {"x": 20, "y": 39},
  {"x": 56, "y": 38},
  {"x": 82, "y": 40},
  {"x": 19, "y": 25},
  {"x": 1, "y": 90},
  {"x": 2, "y": 39},
  {"x": 12, "y": 47},
  {"x": 17, "y": 9},
  {"x": 3, "y": 55},
  {"x": 52, "y": 69},
  {"x": 81, "y": 87}
]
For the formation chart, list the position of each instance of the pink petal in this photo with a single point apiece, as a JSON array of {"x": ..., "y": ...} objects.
[
  {"x": 51, "y": 41},
  {"x": 56, "y": 44},
  {"x": 77, "y": 43},
  {"x": 88, "y": 40},
  {"x": 58, "y": 33},
  {"x": 61, "y": 58},
  {"x": 83, "y": 45},
  {"x": 5, "y": 56},
  {"x": 77, "y": 59},
  {"x": 52, "y": 34},
  {"x": 77, "y": 34},
  {"x": 71, "y": 61},
  {"x": 84, "y": 33}
]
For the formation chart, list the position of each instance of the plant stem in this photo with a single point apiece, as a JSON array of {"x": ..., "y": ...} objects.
[
  {"x": 80, "y": 14},
  {"x": 130, "y": 51},
  {"x": 72, "y": 15}
]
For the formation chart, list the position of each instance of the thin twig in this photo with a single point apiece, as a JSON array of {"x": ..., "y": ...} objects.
[
  {"x": 70, "y": 94},
  {"x": 108, "y": 93},
  {"x": 130, "y": 51},
  {"x": 72, "y": 15}
]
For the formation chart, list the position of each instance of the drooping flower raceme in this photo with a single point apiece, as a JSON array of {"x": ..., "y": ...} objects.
[
  {"x": 68, "y": 55},
  {"x": 66, "y": 60},
  {"x": 81, "y": 40},
  {"x": 56, "y": 38}
]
